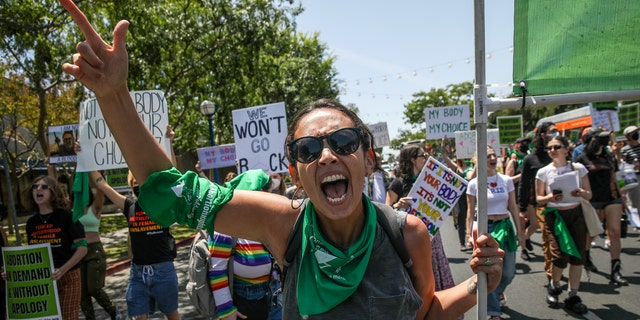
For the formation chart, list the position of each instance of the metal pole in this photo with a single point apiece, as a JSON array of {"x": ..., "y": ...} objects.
[
  {"x": 213, "y": 143},
  {"x": 480, "y": 117}
]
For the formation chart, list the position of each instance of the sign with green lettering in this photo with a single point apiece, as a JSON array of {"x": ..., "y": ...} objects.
[
  {"x": 31, "y": 293},
  {"x": 510, "y": 128},
  {"x": 627, "y": 116}
]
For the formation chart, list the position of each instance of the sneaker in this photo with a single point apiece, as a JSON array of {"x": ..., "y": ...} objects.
[
  {"x": 525, "y": 255},
  {"x": 607, "y": 244},
  {"x": 594, "y": 244},
  {"x": 528, "y": 245},
  {"x": 552, "y": 296},
  {"x": 503, "y": 300},
  {"x": 575, "y": 304}
]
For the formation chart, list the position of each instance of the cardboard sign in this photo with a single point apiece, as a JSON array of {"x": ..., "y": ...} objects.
[
  {"x": 466, "y": 143},
  {"x": 605, "y": 118},
  {"x": 435, "y": 192},
  {"x": 445, "y": 121},
  {"x": 99, "y": 150},
  {"x": 62, "y": 140},
  {"x": 259, "y": 133},
  {"x": 380, "y": 134},
  {"x": 31, "y": 293},
  {"x": 510, "y": 128},
  {"x": 217, "y": 156}
]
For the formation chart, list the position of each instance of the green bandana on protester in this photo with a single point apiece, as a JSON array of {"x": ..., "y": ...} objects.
[
  {"x": 328, "y": 275},
  {"x": 565, "y": 241},
  {"x": 504, "y": 234},
  {"x": 80, "y": 191},
  {"x": 169, "y": 196}
]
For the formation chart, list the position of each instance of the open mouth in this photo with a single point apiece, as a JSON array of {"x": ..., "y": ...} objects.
[
  {"x": 39, "y": 196},
  {"x": 335, "y": 187}
]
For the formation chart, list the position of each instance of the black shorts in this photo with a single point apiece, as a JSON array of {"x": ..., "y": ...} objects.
[{"x": 600, "y": 205}]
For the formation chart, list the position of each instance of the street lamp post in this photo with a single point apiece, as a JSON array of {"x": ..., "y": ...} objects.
[{"x": 209, "y": 109}]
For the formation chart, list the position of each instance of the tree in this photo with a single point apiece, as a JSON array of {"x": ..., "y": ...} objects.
[
  {"x": 453, "y": 94},
  {"x": 237, "y": 54},
  {"x": 20, "y": 120}
]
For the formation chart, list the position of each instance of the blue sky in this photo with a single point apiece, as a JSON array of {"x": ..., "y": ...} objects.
[{"x": 434, "y": 40}]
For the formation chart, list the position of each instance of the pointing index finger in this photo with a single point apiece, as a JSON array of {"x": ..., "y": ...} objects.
[{"x": 83, "y": 23}]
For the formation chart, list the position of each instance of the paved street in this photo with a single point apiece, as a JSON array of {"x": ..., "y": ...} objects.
[{"x": 525, "y": 295}]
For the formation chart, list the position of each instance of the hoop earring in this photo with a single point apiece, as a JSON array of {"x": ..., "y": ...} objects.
[{"x": 294, "y": 198}]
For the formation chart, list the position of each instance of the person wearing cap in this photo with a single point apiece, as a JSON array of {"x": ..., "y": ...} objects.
[
  {"x": 606, "y": 196},
  {"x": 631, "y": 155},
  {"x": 578, "y": 149}
]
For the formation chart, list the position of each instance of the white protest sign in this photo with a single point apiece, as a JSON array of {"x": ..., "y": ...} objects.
[
  {"x": 466, "y": 143},
  {"x": 605, "y": 118},
  {"x": 259, "y": 133},
  {"x": 62, "y": 140},
  {"x": 217, "y": 156},
  {"x": 380, "y": 134},
  {"x": 99, "y": 150},
  {"x": 435, "y": 193},
  {"x": 444, "y": 121}
]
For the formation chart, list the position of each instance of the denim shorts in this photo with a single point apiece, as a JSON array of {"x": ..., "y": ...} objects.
[{"x": 150, "y": 285}]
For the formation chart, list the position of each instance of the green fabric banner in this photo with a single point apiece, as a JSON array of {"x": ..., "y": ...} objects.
[{"x": 569, "y": 46}]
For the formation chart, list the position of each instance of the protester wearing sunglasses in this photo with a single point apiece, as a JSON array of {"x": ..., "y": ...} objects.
[
  {"x": 339, "y": 227},
  {"x": 564, "y": 221},
  {"x": 530, "y": 210},
  {"x": 52, "y": 222},
  {"x": 411, "y": 160}
]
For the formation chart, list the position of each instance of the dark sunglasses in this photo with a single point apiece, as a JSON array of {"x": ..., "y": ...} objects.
[
  {"x": 40, "y": 186},
  {"x": 343, "y": 142},
  {"x": 423, "y": 155},
  {"x": 554, "y": 148}
]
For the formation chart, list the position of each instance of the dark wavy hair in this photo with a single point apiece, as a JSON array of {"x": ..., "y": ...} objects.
[
  {"x": 565, "y": 142},
  {"x": 539, "y": 144},
  {"x": 59, "y": 200},
  {"x": 404, "y": 160},
  {"x": 367, "y": 137}
]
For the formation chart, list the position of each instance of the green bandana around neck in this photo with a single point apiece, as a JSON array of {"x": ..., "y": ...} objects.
[
  {"x": 328, "y": 275},
  {"x": 565, "y": 241}
]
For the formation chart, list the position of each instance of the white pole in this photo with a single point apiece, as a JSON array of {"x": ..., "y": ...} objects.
[{"x": 480, "y": 117}]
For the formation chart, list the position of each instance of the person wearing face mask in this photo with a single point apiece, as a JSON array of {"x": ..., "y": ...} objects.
[
  {"x": 530, "y": 209},
  {"x": 277, "y": 184},
  {"x": 606, "y": 198},
  {"x": 631, "y": 156}
]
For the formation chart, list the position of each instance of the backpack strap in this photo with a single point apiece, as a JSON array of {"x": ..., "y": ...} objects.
[
  {"x": 386, "y": 217},
  {"x": 293, "y": 244}
]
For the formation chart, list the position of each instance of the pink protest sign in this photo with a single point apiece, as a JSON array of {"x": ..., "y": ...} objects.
[{"x": 436, "y": 190}]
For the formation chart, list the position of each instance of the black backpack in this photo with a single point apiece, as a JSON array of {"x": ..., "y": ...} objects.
[{"x": 386, "y": 217}]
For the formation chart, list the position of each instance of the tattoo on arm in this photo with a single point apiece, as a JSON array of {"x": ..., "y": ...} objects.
[{"x": 472, "y": 286}]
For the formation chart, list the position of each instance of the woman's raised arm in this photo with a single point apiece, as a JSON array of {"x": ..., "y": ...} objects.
[{"x": 104, "y": 69}]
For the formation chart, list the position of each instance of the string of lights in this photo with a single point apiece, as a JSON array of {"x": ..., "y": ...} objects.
[{"x": 363, "y": 86}]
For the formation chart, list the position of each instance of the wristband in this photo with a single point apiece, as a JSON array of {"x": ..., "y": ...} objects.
[{"x": 81, "y": 243}]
